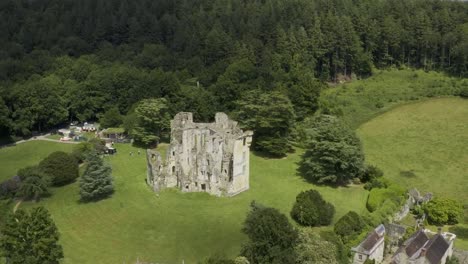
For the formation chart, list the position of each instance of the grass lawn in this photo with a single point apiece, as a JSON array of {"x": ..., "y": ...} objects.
[
  {"x": 54, "y": 136},
  {"x": 27, "y": 154},
  {"x": 172, "y": 226},
  {"x": 423, "y": 145},
  {"x": 360, "y": 101}
]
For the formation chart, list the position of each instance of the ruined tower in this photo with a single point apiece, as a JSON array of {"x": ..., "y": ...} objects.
[{"x": 203, "y": 157}]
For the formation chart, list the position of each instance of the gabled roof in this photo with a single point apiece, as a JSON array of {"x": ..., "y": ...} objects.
[
  {"x": 371, "y": 240},
  {"x": 420, "y": 246},
  {"x": 436, "y": 248},
  {"x": 415, "y": 242}
]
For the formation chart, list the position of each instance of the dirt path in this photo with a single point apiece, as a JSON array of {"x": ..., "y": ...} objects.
[
  {"x": 42, "y": 137},
  {"x": 17, "y": 205}
]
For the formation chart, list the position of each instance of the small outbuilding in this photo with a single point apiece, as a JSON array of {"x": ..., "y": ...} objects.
[
  {"x": 113, "y": 133},
  {"x": 372, "y": 247},
  {"x": 89, "y": 127}
]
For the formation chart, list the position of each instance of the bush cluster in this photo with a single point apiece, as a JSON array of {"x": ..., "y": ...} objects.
[{"x": 311, "y": 209}]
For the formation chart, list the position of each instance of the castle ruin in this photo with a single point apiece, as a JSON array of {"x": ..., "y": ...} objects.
[{"x": 202, "y": 157}]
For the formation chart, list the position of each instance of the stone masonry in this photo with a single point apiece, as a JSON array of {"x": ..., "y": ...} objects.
[{"x": 203, "y": 157}]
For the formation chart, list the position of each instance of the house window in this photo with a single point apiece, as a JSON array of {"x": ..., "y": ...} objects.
[
  {"x": 360, "y": 257},
  {"x": 208, "y": 162},
  {"x": 244, "y": 141},
  {"x": 173, "y": 153},
  {"x": 203, "y": 186},
  {"x": 173, "y": 169}
]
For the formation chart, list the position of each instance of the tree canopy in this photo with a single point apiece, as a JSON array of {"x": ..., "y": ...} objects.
[
  {"x": 442, "y": 211},
  {"x": 311, "y": 209},
  {"x": 333, "y": 152},
  {"x": 83, "y": 58},
  {"x": 271, "y": 116},
  {"x": 271, "y": 237},
  {"x": 60, "y": 167},
  {"x": 30, "y": 238},
  {"x": 96, "y": 182},
  {"x": 152, "y": 121}
]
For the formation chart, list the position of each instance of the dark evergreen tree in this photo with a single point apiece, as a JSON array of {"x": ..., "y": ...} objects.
[
  {"x": 311, "y": 209},
  {"x": 333, "y": 152},
  {"x": 96, "y": 182},
  {"x": 111, "y": 118},
  {"x": 271, "y": 236},
  {"x": 60, "y": 167},
  {"x": 30, "y": 238},
  {"x": 271, "y": 116}
]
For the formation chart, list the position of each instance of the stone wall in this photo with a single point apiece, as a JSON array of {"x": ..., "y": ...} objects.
[{"x": 203, "y": 157}]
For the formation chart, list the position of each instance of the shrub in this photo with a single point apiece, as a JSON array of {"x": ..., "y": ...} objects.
[
  {"x": 377, "y": 196},
  {"x": 464, "y": 91},
  {"x": 372, "y": 172},
  {"x": 60, "y": 167},
  {"x": 442, "y": 211},
  {"x": 349, "y": 226},
  {"x": 99, "y": 145},
  {"x": 9, "y": 187},
  {"x": 311, "y": 248},
  {"x": 82, "y": 150},
  {"x": 375, "y": 183},
  {"x": 311, "y": 210}
]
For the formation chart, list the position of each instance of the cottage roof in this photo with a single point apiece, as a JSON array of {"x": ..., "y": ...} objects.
[
  {"x": 371, "y": 240},
  {"x": 435, "y": 249},
  {"x": 113, "y": 130},
  {"x": 415, "y": 242}
]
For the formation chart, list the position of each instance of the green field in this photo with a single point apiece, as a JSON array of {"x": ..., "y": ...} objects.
[
  {"x": 173, "y": 226},
  {"x": 362, "y": 100},
  {"x": 423, "y": 145},
  {"x": 27, "y": 154}
]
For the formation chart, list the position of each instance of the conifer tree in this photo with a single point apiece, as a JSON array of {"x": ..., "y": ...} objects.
[
  {"x": 30, "y": 238},
  {"x": 96, "y": 182}
]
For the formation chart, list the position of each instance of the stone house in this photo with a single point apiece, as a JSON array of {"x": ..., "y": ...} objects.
[
  {"x": 425, "y": 247},
  {"x": 371, "y": 248},
  {"x": 203, "y": 157}
]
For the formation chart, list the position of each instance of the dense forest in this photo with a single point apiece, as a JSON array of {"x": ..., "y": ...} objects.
[{"x": 67, "y": 60}]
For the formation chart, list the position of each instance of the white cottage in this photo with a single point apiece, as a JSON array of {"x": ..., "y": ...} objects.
[{"x": 372, "y": 247}]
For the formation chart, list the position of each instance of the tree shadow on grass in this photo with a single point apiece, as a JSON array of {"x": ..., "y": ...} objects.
[
  {"x": 301, "y": 172},
  {"x": 97, "y": 199}
]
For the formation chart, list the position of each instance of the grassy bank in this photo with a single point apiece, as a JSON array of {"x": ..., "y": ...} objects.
[
  {"x": 423, "y": 145},
  {"x": 360, "y": 101},
  {"x": 27, "y": 154}
]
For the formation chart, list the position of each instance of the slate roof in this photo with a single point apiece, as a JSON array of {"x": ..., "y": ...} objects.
[
  {"x": 419, "y": 245},
  {"x": 436, "y": 248},
  {"x": 371, "y": 240},
  {"x": 415, "y": 242}
]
